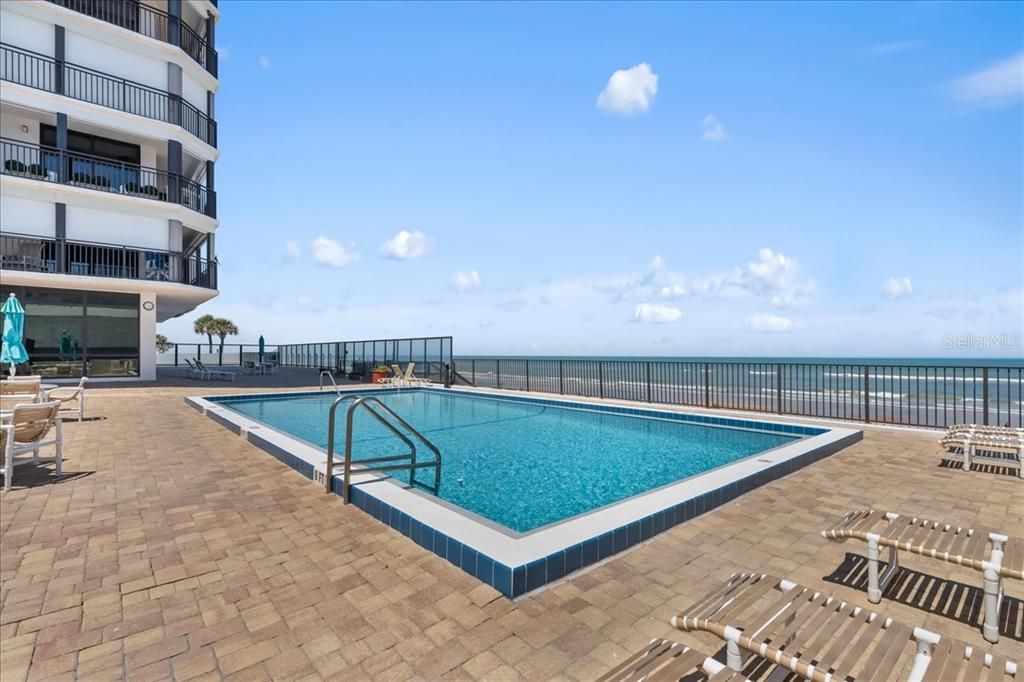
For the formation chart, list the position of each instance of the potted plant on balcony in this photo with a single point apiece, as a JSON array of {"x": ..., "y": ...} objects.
[{"x": 379, "y": 372}]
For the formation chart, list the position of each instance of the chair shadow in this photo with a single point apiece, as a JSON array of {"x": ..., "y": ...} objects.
[
  {"x": 985, "y": 468},
  {"x": 939, "y": 596},
  {"x": 32, "y": 475}
]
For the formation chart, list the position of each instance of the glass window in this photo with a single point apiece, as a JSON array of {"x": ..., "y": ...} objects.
[
  {"x": 54, "y": 334},
  {"x": 112, "y": 330}
]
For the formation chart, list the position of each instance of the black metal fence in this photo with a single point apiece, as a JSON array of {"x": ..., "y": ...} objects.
[
  {"x": 911, "y": 395},
  {"x": 38, "y": 71},
  {"x": 175, "y": 354},
  {"x": 359, "y": 358},
  {"x": 49, "y": 164}
]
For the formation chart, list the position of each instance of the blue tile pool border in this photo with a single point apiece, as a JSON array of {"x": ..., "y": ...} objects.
[{"x": 515, "y": 581}]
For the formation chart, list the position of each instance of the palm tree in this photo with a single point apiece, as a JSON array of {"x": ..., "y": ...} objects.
[
  {"x": 202, "y": 327},
  {"x": 222, "y": 328},
  {"x": 162, "y": 344}
]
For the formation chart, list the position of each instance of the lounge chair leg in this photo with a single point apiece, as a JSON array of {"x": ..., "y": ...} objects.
[
  {"x": 874, "y": 590},
  {"x": 968, "y": 451},
  {"x": 733, "y": 657},
  {"x": 59, "y": 445},
  {"x": 993, "y": 600}
]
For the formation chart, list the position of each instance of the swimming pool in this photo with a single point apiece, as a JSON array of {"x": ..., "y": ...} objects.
[
  {"x": 525, "y": 465},
  {"x": 532, "y": 488}
]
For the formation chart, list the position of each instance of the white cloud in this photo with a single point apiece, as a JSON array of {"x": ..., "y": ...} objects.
[
  {"x": 713, "y": 130},
  {"x": 264, "y": 62},
  {"x": 897, "y": 287},
  {"x": 1002, "y": 83},
  {"x": 465, "y": 280},
  {"x": 673, "y": 291},
  {"x": 407, "y": 245},
  {"x": 769, "y": 323},
  {"x": 327, "y": 251},
  {"x": 629, "y": 91},
  {"x": 656, "y": 313},
  {"x": 292, "y": 252}
]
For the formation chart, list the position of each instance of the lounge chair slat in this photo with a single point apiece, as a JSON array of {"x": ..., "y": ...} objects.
[
  {"x": 797, "y": 614},
  {"x": 745, "y": 599},
  {"x": 948, "y": 539},
  {"x": 812, "y": 625},
  {"x": 940, "y": 657},
  {"x": 997, "y": 672},
  {"x": 846, "y": 634},
  {"x": 675, "y": 666},
  {"x": 880, "y": 661},
  {"x": 718, "y": 596},
  {"x": 856, "y": 651},
  {"x": 828, "y": 629},
  {"x": 956, "y": 662},
  {"x": 1013, "y": 558},
  {"x": 785, "y": 601}
]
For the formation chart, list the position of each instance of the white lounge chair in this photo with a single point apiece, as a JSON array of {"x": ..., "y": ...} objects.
[
  {"x": 411, "y": 379},
  {"x": 224, "y": 374},
  {"x": 26, "y": 432},
  {"x": 195, "y": 372},
  {"x": 985, "y": 448},
  {"x": 20, "y": 385},
  {"x": 995, "y": 555},
  {"x": 766, "y": 621},
  {"x": 69, "y": 396}
]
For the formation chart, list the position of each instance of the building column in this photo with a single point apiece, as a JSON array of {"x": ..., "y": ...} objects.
[
  {"x": 61, "y": 233},
  {"x": 174, "y": 22},
  {"x": 147, "y": 336},
  {"x": 58, "y": 60},
  {"x": 62, "y": 145},
  {"x": 174, "y": 91},
  {"x": 174, "y": 171},
  {"x": 211, "y": 126},
  {"x": 211, "y": 50}
]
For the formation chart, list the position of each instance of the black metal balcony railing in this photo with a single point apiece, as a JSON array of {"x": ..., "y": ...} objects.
[
  {"x": 27, "y": 253},
  {"x": 151, "y": 22},
  {"x": 35, "y": 70},
  {"x": 81, "y": 170}
]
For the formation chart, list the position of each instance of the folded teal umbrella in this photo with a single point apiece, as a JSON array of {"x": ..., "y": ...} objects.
[
  {"x": 13, "y": 351},
  {"x": 262, "y": 347}
]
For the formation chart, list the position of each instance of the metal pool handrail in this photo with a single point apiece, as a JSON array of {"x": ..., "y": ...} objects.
[
  {"x": 331, "y": 376},
  {"x": 369, "y": 403}
]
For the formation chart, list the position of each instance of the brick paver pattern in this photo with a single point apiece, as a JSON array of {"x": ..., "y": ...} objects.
[{"x": 173, "y": 549}]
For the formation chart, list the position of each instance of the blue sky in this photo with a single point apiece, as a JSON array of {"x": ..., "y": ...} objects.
[{"x": 692, "y": 179}]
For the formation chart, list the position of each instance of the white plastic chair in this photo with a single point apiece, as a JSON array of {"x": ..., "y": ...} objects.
[{"x": 26, "y": 432}]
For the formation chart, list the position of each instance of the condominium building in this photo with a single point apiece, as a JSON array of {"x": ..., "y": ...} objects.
[{"x": 107, "y": 203}]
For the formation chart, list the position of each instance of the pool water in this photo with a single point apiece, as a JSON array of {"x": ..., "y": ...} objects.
[{"x": 523, "y": 464}]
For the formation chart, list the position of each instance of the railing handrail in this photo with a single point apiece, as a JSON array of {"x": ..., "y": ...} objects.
[
  {"x": 205, "y": 129},
  {"x": 208, "y": 58},
  {"x": 129, "y": 247},
  {"x": 330, "y": 375},
  {"x": 369, "y": 403}
]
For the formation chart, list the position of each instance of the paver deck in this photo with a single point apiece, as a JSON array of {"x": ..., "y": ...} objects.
[{"x": 172, "y": 549}]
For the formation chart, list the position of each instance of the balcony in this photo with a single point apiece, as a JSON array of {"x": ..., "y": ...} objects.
[
  {"x": 151, "y": 22},
  {"x": 26, "y": 253},
  {"x": 38, "y": 71},
  {"x": 47, "y": 164}
]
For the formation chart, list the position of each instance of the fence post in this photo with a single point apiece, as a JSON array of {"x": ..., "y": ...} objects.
[
  {"x": 984, "y": 393},
  {"x": 600, "y": 378},
  {"x": 647, "y": 372},
  {"x": 707, "y": 386},
  {"x": 778, "y": 388},
  {"x": 447, "y": 375},
  {"x": 175, "y": 355},
  {"x": 867, "y": 398},
  {"x": 561, "y": 378},
  {"x": 527, "y": 376},
  {"x": 497, "y": 372},
  {"x": 240, "y": 350},
  {"x": 472, "y": 369}
]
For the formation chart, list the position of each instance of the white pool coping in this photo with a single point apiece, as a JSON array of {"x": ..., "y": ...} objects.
[{"x": 515, "y": 549}]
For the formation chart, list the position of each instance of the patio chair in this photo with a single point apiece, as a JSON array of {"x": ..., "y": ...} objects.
[
  {"x": 826, "y": 639},
  {"x": 8, "y": 401},
  {"x": 410, "y": 379},
  {"x": 70, "y": 395},
  {"x": 986, "y": 448},
  {"x": 26, "y": 432},
  {"x": 665, "y": 660},
  {"x": 27, "y": 384},
  {"x": 194, "y": 371},
  {"x": 982, "y": 428},
  {"x": 995, "y": 555},
  {"x": 212, "y": 373}
]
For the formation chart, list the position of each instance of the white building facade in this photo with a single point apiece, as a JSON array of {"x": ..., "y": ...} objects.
[{"x": 108, "y": 209}]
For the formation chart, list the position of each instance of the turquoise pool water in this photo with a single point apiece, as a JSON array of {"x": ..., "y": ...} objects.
[{"x": 524, "y": 464}]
